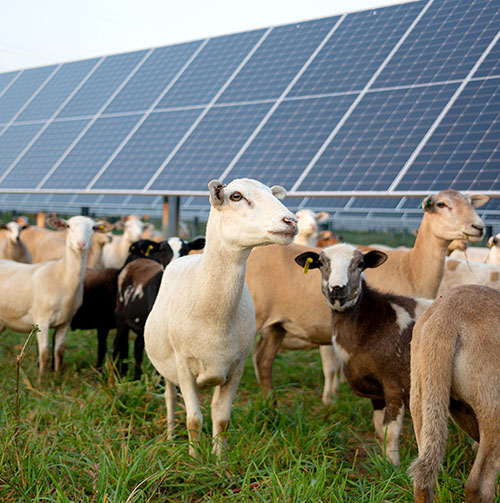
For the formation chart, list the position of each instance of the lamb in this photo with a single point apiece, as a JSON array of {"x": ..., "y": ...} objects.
[
  {"x": 52, "y": 247},
  {"x": 276, "y": 284},
  {"x": 202, "y": 325},
  {"x": 138, "y": 284},
  {"x": 489, "y": 255},
  {"x": 49, "y": 293},
  {"x": 12, "y": 247},
  {"x": 454, "y": 369},
  {"x": 115, "y": 253},
  {"x": 371, "y": 334},
  {"x": 308, "y": 226}
]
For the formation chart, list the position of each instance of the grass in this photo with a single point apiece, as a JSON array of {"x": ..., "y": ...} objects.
[{"x": 90, "y": 437}]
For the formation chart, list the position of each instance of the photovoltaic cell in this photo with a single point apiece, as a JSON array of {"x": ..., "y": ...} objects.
[
  {"x": 6, "y": 79},
  {"x": 152, "y": 78},
  {"x": 210, "y": 69},
  {"x": 377, "y": 139},
  {"x": 445, "y": 44},
  {"x": 464, "y": 151},
  {"x": 290, "y": 139},
  {"x": 13, "y": 141},
  {"x": 211, "y": 146},
  {"x": 356, "y": 50},
  {"x": 57, "y": 89},
  {"x": 17, "y": 95},
  {"x": 91, "y": 152},
  {"x": 43, "y": 154},
  {"x": 277, "y": 61},
  {"x": 102, "y": 84},
  {"x": 146, "y": 150},
  {"x": 491, "y": 65}
]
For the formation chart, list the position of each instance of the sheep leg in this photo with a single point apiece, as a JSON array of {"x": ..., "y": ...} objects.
[
  {"x": 59, "y": 346},
  {"x": 393, "y": 424},
  {"x": 331, "y": 366},
  {"x": 42, "y": 337},
  {"x": 222, "y": 401},
  {"x": 480, "y": 485},
  {"x": 120, "y": 348},
  {"x": 264, "y": 354},
  {"x": 138, "y": 354},
  {"x": 194, "y": 419},
  {"x": 170, "y": 401},
  {"x": 388, "y": 423},
  {"x": 102, "y": 335}
]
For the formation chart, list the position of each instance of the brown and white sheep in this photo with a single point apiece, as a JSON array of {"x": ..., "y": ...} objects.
[
  {"x": 455, "y": 352},
  {"x": 371, "y": 334},
  {"x": 308, "y": 226}
]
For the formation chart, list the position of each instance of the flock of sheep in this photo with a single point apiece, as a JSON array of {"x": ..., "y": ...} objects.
[{"x": 370, "y": 310}]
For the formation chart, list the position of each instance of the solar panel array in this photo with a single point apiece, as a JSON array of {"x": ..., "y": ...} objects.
[{"x": 399, "y": 101}]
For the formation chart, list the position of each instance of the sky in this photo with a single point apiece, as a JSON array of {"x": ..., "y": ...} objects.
[{"x": 42, "y": 32}]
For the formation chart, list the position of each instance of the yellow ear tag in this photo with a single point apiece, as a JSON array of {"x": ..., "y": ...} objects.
[
  {"x": 307, "y": 264},
  {"x": 150, "y": 247}
]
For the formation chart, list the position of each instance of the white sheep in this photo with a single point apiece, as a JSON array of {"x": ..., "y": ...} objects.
[
  {"x": 462, "y": 272},
  {"x": 455, "y": 352},
  {"x": 115, "y": 254},
  {"x": 202, "y": 325},
  {"x": 308, "y": 226},
  {"x": 49, "y": 293},
  {"x": 13, "y": 247}
]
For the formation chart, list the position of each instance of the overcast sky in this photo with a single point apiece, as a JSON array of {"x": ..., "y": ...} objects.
[{"x": 42, "y": 32}]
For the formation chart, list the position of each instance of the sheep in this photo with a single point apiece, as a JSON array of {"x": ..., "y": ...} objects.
[
  {"x": 276, "y": 284},
  {"x": 371, "y": 333},
  {"x": 455, "y": 352},
  {"x": 308, "y": 226},
  {"x": 489, "y": 255},
  {"x": 327, "y": 238},
  {"x": 13, "y": 247},
  {"x": 461, "y": 272},
  {"x": 49, "y": 293},
  {"x": 52, "y": 247},
  {"x": 202, "y": 325},
  {"x": 115, "y": 253},
  {"x": 138, "y": 284}
]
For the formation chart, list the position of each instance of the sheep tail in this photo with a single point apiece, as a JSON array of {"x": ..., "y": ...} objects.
[{"x": 433, "y": 349}]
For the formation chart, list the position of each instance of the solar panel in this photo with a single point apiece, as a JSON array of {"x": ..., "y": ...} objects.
[{"x": 400, "y": 101}]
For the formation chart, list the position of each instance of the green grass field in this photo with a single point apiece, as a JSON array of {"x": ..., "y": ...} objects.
[{"x": 90, "y": 437}]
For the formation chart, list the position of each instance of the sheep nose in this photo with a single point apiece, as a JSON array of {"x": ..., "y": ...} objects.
[
  {"x": 292, "y": 222},
  {"x": 479, "y": 227}
]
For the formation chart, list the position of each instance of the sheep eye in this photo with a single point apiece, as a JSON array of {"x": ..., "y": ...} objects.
[
  {"x": 236, "y": 196},
  {"x": 441, "y": 204}
]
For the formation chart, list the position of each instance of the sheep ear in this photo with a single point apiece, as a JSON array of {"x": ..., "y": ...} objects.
[
  {"x": 492, "y": 241},
  {"x": 197, "y": 243},
  {"x": 302, "y": 260},
  {"x": 321, "y": 216},
  {"x": 57, "y": 223},
  {"x": 279, "y": 192},
  {"x": 103, "y": 226},
  {"x": 478, "y": 200},
  {"x": 374, "y": 258},
  {"x": 216, "y": 189},
  {"x": 428, "y": 203}
]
